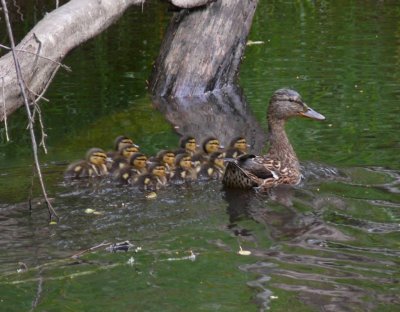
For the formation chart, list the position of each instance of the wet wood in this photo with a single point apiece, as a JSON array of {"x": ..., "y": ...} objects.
[
  {"x": 202, "y": 49},
  {"x": 40, "y": 52}
]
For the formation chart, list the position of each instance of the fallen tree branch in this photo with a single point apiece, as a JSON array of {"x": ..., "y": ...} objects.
[
  {"x": 43, "y": 48},
  {"x": 52, "y": 214}
]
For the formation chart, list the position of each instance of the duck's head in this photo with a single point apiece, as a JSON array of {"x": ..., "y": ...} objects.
[
  {"x": 158, "y": 170},
  {"x": 166, "y": 157},
  {"x": 286, "y": 103},
  {"x": 211, "y": 145},
  {"x": 183, "y": 161},
  {"x": 188, "y": 143},
  {"x": 138, "y": 160},
  {"x": 122, "y": 141},
  {"x": 128, "y": 150},
  {"x": 96, "y": 156},
  {"x": 217, "y": 158},
  {"x": 239, "y": 143}
]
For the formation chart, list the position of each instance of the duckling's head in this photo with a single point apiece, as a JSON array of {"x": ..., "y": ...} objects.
[
  {"x": 122, "y": 141},
  {"x": 183, "y": 161},
  {"x": 211, "y": 145},
  {"x": 138, "y": 160},
  {"x": 128, "y": 150},
  {"x": 96, "y": 156},
  {"x": 217, "y": 158},
  {"x": 158, "y": 170},
  {"x": 167, "y": 157},
  {"x": 188, "y": 143},
  {"x": 240, "y": 144},
  {"x": 286, "y": 103}
]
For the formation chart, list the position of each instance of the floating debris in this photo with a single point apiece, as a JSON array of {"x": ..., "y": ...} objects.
[
  {"x": 151, "y": 195},
  {"x": 250, "y": 42},
  {"x": 192, "y": 257},
  {"x": 244, "y": 252},
  {"x": 123, "y": 246},
  {"x": 131, "y": 261},
  {"x": 93, "y": 211}
]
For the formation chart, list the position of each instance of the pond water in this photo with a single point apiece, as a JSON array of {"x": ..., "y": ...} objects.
[{"x": 328, "y": 244}]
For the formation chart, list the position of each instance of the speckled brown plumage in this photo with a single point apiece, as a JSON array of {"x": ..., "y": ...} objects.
[{"x": 280, "y": 165}]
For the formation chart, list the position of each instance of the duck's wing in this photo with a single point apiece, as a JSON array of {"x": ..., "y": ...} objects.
[{"x": 249, "y": 171}]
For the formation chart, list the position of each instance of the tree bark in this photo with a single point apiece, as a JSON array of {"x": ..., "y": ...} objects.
[
  {"x": 202, "y": 49},
  {"x": 48, "y": 43}
]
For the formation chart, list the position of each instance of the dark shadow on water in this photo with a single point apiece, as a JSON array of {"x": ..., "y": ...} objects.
[{"x": 223, "y": 114}]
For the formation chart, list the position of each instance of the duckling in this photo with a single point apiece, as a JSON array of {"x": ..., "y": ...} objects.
[
  {"x": 280, "y": 165},
  {"x": 238, "y": 146},
  {"x": 213, "y": 168},
  {"x": 184, "y": 171},
  {"x": 157, "y": 177},
  {"x": 121, "y": 160},
  {"x": 130, "y": 173},
  {"x": 119, "y": 143},
  {"x": 167, "y": 158},
  {"x": 210, "y": 145},
  {"x": 93, "y": 166},
  {"x": 187, "y": 144}
]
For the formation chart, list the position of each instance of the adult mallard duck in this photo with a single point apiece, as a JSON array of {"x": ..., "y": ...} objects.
[
  {"x": 93, "y": 166},
  {"x": 280, "y": 165}
]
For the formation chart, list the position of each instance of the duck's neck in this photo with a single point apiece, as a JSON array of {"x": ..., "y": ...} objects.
[{"x": 280, "y": 147}]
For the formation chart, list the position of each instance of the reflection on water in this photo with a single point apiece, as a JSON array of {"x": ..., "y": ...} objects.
[{"x": 224, "y": 115}]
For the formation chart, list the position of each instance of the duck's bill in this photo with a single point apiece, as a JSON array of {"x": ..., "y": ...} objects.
[{"x": 310, "y": 113}]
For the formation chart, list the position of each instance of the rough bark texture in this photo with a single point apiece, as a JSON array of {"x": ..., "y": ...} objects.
[
  {"x": 53, "y": 37},
  {"x": 202, "y": 49}
]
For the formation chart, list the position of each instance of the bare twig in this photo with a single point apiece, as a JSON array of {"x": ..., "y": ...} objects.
[
  {"x": 67, "y": 68},
  {"x": 52, "y": 213},
  {"x": 4, "y": 109},
  {"x": 39, "y": 291},
  {"x": 90, "y": 249},
  {"x": 44, "y": 135}
]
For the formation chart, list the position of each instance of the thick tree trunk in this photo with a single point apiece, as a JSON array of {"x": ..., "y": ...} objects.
[
  {"x": 51, "y": 39},
  {"x": 202, "y": 49}
]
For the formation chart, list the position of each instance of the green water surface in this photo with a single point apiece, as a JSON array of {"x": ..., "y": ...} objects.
[{"x": 329, "y": 244}]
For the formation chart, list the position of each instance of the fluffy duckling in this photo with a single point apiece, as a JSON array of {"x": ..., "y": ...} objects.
[
  {"x": 167, "y": 158},
  {"x": 119, "y": 143},
  {"x": 209, "y": 146},
  {"x": 187, "y": 144},
  {"x": 213, "y": 169},
  {"x": 155, "y": 179},
  {"x": 121, "y": 160},
  {"x": 238, "y": 146},
  {"x": 129, "y": 174},
  {"x": 93, "y": 166},
  {"x": 184, "y": 171}
]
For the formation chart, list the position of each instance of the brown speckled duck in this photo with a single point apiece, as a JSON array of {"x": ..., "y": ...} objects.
[{"x": 280, "y": 165}]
